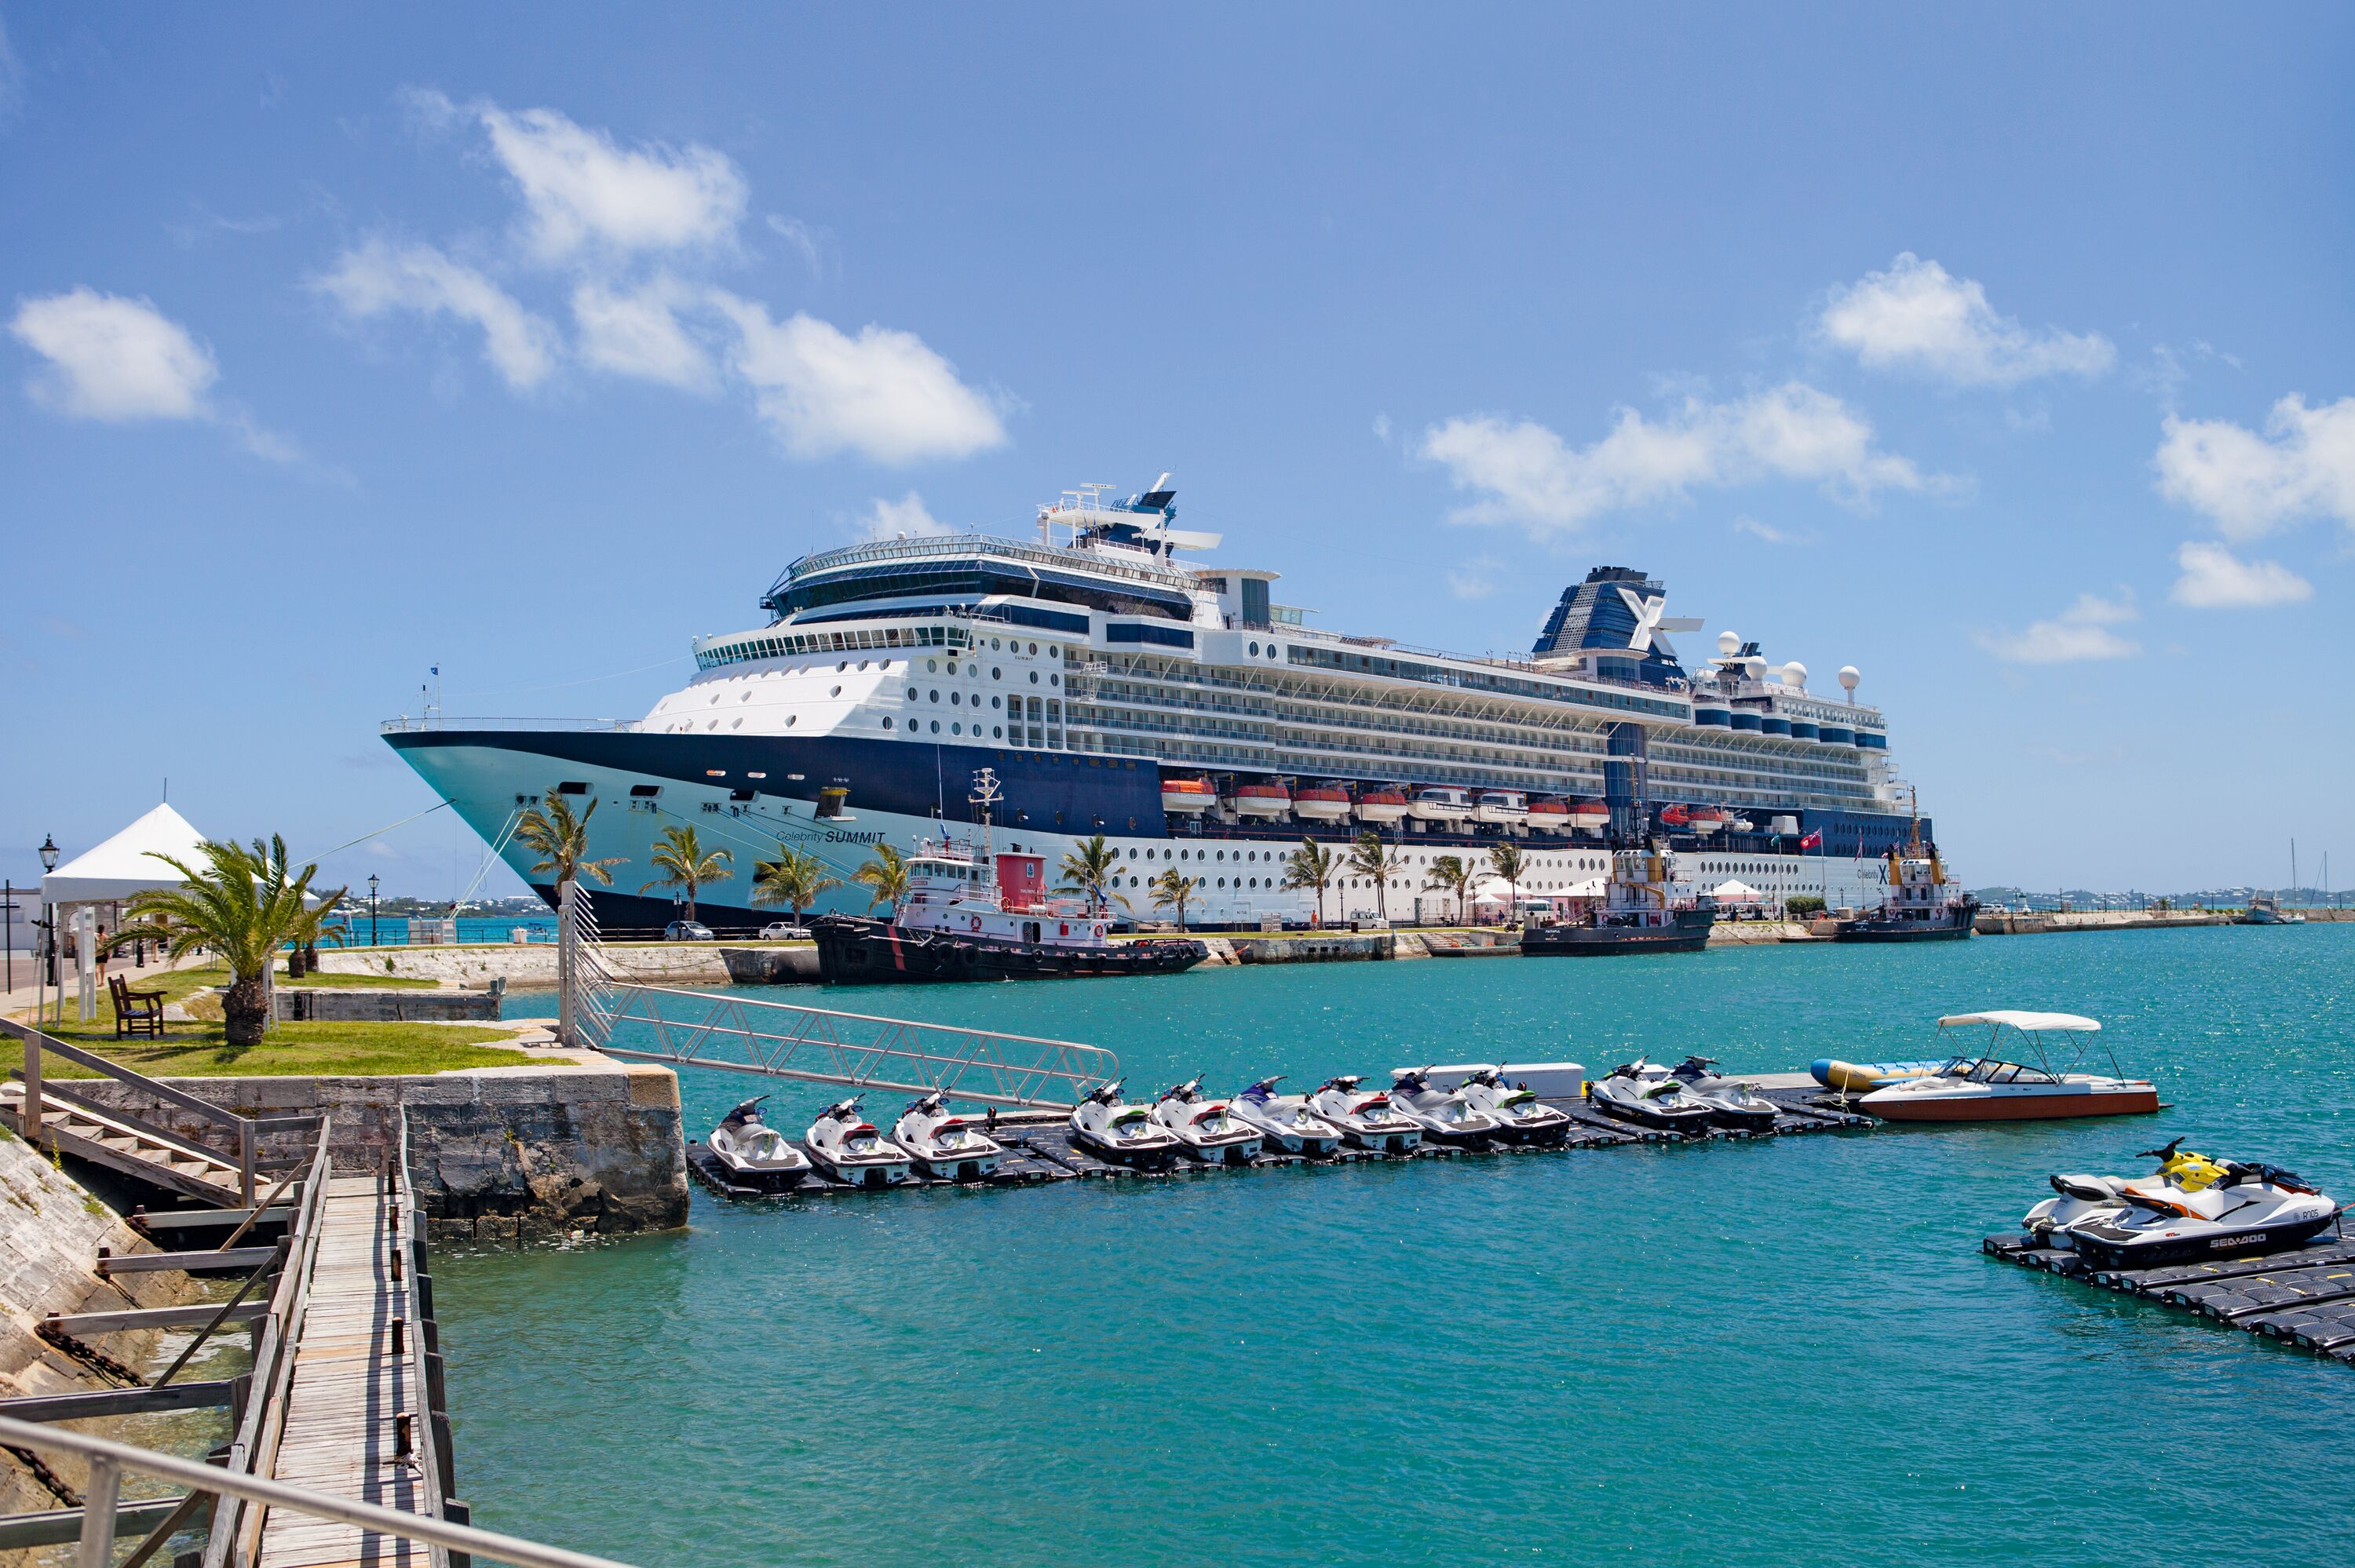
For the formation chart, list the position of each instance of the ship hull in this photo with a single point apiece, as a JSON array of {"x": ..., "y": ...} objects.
[
  {"x": 1690, "y": 934},
  {"x": 852, "y": 950},
  {"x": 1954, "y": 927}
]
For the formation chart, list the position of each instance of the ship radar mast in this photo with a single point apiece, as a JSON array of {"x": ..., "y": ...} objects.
[{"x": 986, "y": 794}]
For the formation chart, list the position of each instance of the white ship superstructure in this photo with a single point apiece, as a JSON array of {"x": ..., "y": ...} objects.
[{"x": 1199, "y": 724}]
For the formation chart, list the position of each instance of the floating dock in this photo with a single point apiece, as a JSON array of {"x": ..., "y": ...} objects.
[
  {"x": 2304, "y": 1297},
  {"x": 1041, "y": 1149}
]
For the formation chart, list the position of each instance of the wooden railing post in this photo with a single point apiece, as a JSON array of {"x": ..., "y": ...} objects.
[
  {"x": 245, "y": 1184},
  {"x": 31, "y": 1120}
]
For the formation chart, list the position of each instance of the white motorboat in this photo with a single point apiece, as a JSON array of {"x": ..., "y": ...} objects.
[
  {"x": 845, "y": 1145},
  {"x": 2012, "y": 1086},
  {"x": 1444, "y": 1115},
  {"x": 1109, "y": 1128},
  {"x": 755, "y": 1154},
  {"x": 1204, "y": 1127},
  {"x": 1505, "y": 807},
  {"x": 1520, "y": 1117},
  {"x": 1365, "y": 1118},
  {"x": 1441, "y": 803},
  {"x": 943, "y": 1144},
  {"x": 1285, "y": 1121}
]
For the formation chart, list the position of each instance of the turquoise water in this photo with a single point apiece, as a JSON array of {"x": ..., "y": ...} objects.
[{"x": 1765, "y": 1352}]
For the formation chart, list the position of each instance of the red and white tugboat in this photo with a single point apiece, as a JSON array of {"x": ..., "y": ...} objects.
[
  {"x": 1923, "y": 903},
  {"x": 1638, "y": 914},
  {"x": 971, "y": 916}
]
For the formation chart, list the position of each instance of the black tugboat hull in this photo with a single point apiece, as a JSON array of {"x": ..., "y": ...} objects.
[
  {"x": 856, "y": 951},
  {"x": 1689, "y": 935},
  {"x": 1947, "y": 930}
]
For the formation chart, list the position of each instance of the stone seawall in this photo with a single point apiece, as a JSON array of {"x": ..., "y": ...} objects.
[
  {"x": 533, "y": 964},
  {"x": 502, "y": 1153}
]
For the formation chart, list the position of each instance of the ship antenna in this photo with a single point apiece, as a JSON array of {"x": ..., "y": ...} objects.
[{"x": 986, "y": 794}]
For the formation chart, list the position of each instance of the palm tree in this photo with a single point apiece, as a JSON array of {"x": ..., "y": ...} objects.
[
  {"x": 1089, "y": 867},
  {"x": 307, "y": 936},
  {"x": 1369, "y": 857},
  {"x": 1505, "y": 859},
  {"x": 795, "y": 877},
  {"x": 1310, "y": 866},
  {"x": 1450, "y": 874},
  {"x": 680, "y": 859},
  {"x": 561, "y": 841},
  {"x": 244, "y": 907},
  {"x": 1173, "y": 886},
  {"x": 885, "y": 877}
]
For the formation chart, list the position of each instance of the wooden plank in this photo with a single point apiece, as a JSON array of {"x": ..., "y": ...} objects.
[
  {"x": 119, "y": 1402},
  {"x": 158, "y": 1262},
  {"x": 80, "y": 1324}
]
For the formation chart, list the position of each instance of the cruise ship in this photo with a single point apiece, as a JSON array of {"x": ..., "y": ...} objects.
[{"x": 1119, "y": 687}]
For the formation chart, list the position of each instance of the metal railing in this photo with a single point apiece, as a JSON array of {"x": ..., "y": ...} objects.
[
  {"x": 109, "y": 1461},
  {"x": 678, "y": 1027}
]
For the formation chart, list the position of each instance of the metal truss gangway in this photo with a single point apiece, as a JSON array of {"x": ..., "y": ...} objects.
[{"x": 603, "y": 1010}]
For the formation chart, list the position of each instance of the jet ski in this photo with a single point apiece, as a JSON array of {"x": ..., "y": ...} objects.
[
  {"x": 1629, "y": 1094},
  {"x": 845, "y": 1145},
  {"x": 1520, "y": 1117},
  {"x": 1368, "y": 1120},
  {"x": 755, "y": 1154},
  {"x": 1285, "y": 1121},
  {"x": 1730, "y": 1102},
  {"x": 1444, "y": 1115},
  {"x": 1124, "y": 1134},
  {"x": 2196, "y": 1208},
  {"x": 944, "y": 1145},
  {"x": 1204, "y": 1127}
]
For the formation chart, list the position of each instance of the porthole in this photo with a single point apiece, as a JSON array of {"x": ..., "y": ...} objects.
[
  {"x": 1034, "y": 677},
  {"x": 1222, "y": 882},
  {"x": 1034, "y": 648},
  {"x": 1254, "y": 649},
  {"x": 836, "y": 693},
  {"x": 936, "y": 727},
  {"x": 933, "y": 664},
  {"x": 887, "y": 724},
  {"x": 993, "y": 642},
  {"x": 1271, "y": 651},
  {"x": 956, "y": 729},
  {"x": 715, "y": 698},
  {"x": 952, "y": 666},
  {"x": 1054, "y": 680},
  {"x": 745, "y": 698},
  {"x": 1050, "y": 650},
  {"x": 997, "y": 673},
  {"x": 738, "y": 723},
  {"x": 997, "y": 733},
  {"x": 912, "y": 693},
  {"x": 840, "y": 667},
  {"x": 993, "y": 701},
  {"x": 935, "y": 694},
  {"x": 792, "y": 720},
  {"x": 956, "y": 698},
  {"x": 1223, "y": 854},
  {"x": 862, "y": 663}
]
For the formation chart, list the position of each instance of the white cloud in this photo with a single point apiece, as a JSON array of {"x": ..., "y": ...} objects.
[
  {"x": 2302, "y": 466},
  {"x": 581, "y": 190},
  {"x": 2078, "y": 633},
  {"x": 379, "y": 277},
  {"x": 1476, "y": 578},
  {"x": 2214, "y": 579},
  {"x": 1746, "y": 523},
  {"x": 1790, "y": 431},
  {"x": 905, "y": 518},
  {"x": 1918, "y": 316},
  {"x": 639, "y": 333},
  {"x": 882, "y": 394},
  {"x": 112, "y": 358}
]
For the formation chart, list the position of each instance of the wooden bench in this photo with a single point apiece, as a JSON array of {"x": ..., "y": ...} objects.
[{"x": 135, "y": 1011}]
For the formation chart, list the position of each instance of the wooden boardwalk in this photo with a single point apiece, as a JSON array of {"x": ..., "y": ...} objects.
[{"x": 354, "y": 1375}]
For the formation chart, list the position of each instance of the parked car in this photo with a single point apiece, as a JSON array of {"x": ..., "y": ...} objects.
[
  {"x": 784, "y": 931},
  {"x": 687, "y": 931}
]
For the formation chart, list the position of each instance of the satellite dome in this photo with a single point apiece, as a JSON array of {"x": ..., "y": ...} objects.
[
  {"x": 1848, "y": 678},
  {"x": 1755, "y": 666},
  {"x": 1729, "y": 643},
  {"x": 1794, "y": 676}
]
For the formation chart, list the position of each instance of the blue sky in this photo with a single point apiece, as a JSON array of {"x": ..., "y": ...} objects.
[{"x": 2005, "y": 357}]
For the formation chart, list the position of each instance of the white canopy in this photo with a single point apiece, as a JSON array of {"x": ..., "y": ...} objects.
[
  {"x": 125, "y": 864},
  {"x": 1736, "y": 893},
  {"x": 2031, "y": 1022},
  {"x": 1593, "y": 887}
]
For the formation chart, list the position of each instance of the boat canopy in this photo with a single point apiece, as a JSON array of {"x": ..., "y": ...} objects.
[{"x": 2027, "y": 1023}]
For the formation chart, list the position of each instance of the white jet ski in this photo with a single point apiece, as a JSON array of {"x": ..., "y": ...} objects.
[
  {"x": 1204, "y": 1126},
  {"x": 944, "y": 1145},
  {"x": 2194, "y": 1208},
  {"x": 1648, "y": 1100},
  {"x": 845, "y": 1145},
  {"x": 1520, "y": 1117},
  {"x": 1285, "y": 1121},
  {"x": 1124, "y": 1134},
  {"x": 1366, "y": 1119},
  {"x": 1445, "y": 1115},
  {"x": 1731, "y": 1103},
  {"x": 754, "y": 1154}
]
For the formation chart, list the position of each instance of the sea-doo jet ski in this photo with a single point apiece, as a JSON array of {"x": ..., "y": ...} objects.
[
  {"x": 845, "y": 1145},
  {"x": 1125, "y": 1134},
  {"x": 945, "y": 1145},
  {"x": 1731, "y": 1103},
  {"x": 1444, "y": 1115},
  {"x": 1204, "y": 1126},
  {"x": 755, "y": 1154},
  {"x": 2202, "y": 1208},
  {"x": 1285, "y": 1122},
  {"x": 1661, "y": 1102},
  {"x": 1366, "y": 1119},
  {"x": 1520, "y": 1117}
]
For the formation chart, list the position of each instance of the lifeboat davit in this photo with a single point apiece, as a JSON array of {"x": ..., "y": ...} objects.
[
  {"x": 1549, "y": 815},
  {"x": 1510, "y": 807},
  {"x": 1323, "y": 803},
  {"x": 1187, "y": 796},
  {"x": 1707, "y": 820},
  {"x": 1381, "y": 805},
  {"x": 1592, "y": 815},
  {"x": 1441, "y": 803},
  {"x": 1268, "y": 799}
]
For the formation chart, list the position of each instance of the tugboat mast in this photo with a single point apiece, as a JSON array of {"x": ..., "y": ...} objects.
[{"x": 986, "y": 794}]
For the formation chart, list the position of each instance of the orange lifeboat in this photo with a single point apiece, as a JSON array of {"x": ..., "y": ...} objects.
[
  {"x": 1188, "y": 797},
  {"x": 1266, "y": 799},
  {"x": 1547, "y": 815},
  {"x": 1381, "y": 805},
  {"x": 1323, "y": 803},
  {"x": 1592, "y": 815}
]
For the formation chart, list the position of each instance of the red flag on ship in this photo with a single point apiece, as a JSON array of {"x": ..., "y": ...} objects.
[{"x": 1813, "y": 841}]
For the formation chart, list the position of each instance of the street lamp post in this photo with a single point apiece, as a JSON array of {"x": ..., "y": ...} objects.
[
  {"x": 371, "y": 909},
  {"x": 49, "y": 853}
]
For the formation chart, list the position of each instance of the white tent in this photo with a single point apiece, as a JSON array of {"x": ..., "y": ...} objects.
[
  {"x": 1736, "y": 893},
  {"x": 1593, "y": 887},
  {"x": 124, "y": 865}
]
